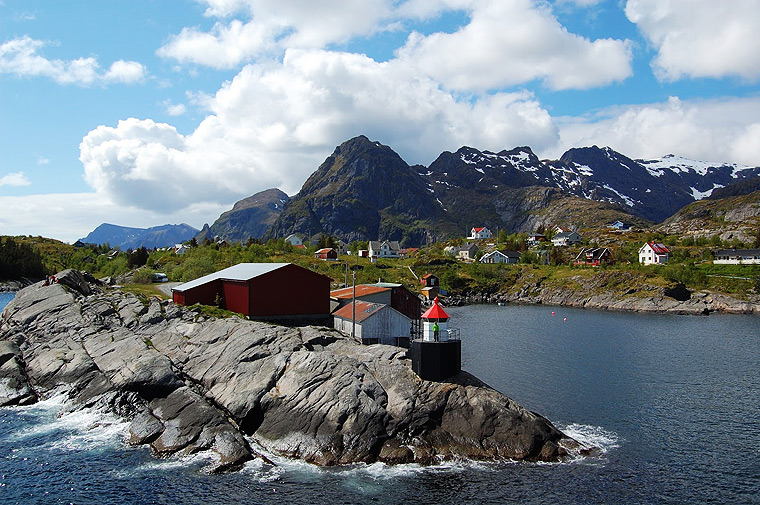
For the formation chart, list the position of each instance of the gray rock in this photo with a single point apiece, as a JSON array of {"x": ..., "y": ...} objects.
[{"x": 190, "y": 383}]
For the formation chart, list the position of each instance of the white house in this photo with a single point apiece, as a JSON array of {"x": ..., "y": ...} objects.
[
  {"x": 653, "y": 253},
  {"x": 737, "y": 257},
  {"x": 374, "y": 323},
  {"x": 466, "y": 252},
  {"x": 501, "y": 257},
  {"x": 619, "y": 225},
  {"x": 384, "y": 249},
  {"x": 480, "y": 233},
  {"x": 294, "y": 239},
  {"x": 180, "y": 248},
  {"x": 566, "y": 238}
]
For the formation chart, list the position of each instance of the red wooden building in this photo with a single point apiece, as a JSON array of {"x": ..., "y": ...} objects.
[
  {"x": 261, "y": 291},
  {"x": 326, "y": 253}
]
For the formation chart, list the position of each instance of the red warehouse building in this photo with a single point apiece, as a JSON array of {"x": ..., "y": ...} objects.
[{"x": 261, "y": 291}]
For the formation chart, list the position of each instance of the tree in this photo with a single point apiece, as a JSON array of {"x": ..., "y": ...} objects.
[
  {"x": 137, "y": 258},
  {"x": 19, "y": 260}
]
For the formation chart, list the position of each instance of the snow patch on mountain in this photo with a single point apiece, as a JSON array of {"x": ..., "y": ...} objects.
[
  {"x": 627, "y": 199},
  {"x": 700, "y": 195},
  {"x": 678, "y": 165}
]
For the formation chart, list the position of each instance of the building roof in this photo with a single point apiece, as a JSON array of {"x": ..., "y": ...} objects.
[
  {"x": 324, "y": 250},
  {"x": 239, "y": 272},
  {"x": 364, "y": 310},
  {"x": 737, "y": 252},
  {"x": 658, "y": 248},
  {"x": 479, "y": 229},
  {"x": 565, "y": 234},
  {"x": 377, "y": 244},
  {"x": 593, "y": 253},
  {"x": 361, "y": 290},
  {"x": 435, "y": 312}
]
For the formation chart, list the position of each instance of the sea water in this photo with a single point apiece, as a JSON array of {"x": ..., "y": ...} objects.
[{"x": 672, "y": 403}]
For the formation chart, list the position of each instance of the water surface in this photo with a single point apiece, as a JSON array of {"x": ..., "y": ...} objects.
[{"x": 672, "y": 401}]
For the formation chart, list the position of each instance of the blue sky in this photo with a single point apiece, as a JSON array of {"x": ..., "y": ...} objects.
[{"x": 147, "y": 112}]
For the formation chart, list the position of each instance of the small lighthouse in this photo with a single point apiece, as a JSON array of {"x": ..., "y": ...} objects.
[{"x": 438, "y": 354}]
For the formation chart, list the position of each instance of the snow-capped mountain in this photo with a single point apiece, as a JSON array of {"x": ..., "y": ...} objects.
[{"x": 652, "y": 189}]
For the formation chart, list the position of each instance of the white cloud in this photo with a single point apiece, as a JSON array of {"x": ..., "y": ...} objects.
[
  {"x": 515, "y": 42},
  {"x": 125, "y": 72},
  {"x": 700, "y": 38},
  {"x": 14, "y": 179},
  {"x": 71, "y": 216},
  {"x": 20, "y": 57},
  {"x": 273, "y": 124},
  {"x": 504, "y": 44},
  {"x": 272, "y": 27},
  {"x": 174, "y": 109},
  {"x": 42, "y": 161},
  {"x": 724, "y": 130}
]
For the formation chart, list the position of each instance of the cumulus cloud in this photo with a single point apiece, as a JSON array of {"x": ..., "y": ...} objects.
[
  {"x": 21, "y": 57},
  {"x": 271, "y": 27},
  {"x": 700, "y": 38},
  {"x": 14, "y": 179},
  {"x": 274, "y": 123},
  {"x": 504, "y": 43},
  {"x": 510, "y": 43},
  {"x": 723, "y": 130}
]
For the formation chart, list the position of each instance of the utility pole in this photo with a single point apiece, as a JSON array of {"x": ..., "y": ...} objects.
[{"x": 353, "y": 310}]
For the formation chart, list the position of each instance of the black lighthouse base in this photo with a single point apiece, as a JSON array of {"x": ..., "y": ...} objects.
[{"x": 435, "y": 361}]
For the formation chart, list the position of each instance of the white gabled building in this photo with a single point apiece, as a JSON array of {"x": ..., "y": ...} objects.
[
  {"x": 653, "y": 253},
  {"x": 501, "y": 257},
  {"x": 384, "y": 249},
  {"x": 480, "y": 233},
  {"x": 294, "y": 239},
  {"x": 566, "y": 238},
  {"x": 737, "y": 257},
  {"x": 375, "y": 323}
]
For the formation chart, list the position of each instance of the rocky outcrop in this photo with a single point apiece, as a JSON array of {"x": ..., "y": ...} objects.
[
  {"x": 242, "y": 388},
  {"x": 600, "y": 293}
]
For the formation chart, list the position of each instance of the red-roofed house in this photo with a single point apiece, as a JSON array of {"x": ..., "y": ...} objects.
[
  {"x": 480, "y": 232},
  {"x": 375, "y": 323},
  {"x": 653, "y": 253},
  {"x": 395, "y": 295}
]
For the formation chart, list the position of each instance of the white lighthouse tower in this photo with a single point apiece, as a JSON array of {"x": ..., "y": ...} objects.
[
  {"x": 435, "y": 323},
  {"x": 438, "y": 354}
]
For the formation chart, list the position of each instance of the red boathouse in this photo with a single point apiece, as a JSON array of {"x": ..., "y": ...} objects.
[{"x": 276, "y": 291}]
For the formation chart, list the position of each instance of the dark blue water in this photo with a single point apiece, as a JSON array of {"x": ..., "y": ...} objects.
[{"x": 673, "y": 401}]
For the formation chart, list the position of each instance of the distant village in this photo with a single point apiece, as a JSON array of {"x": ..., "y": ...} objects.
[{"x": 387, "y": 313}]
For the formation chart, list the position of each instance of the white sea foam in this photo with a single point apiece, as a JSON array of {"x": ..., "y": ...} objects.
[
  {"x": 84, "y": 429},
  {"x": 172, "y": 462},
  {"x": 593, "y": 436}
]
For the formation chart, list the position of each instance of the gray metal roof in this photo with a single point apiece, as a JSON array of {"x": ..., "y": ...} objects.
[{"x": 239, "y": 272}]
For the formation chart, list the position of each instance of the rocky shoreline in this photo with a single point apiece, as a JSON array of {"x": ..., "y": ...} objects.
[
  {"x": 240, "y": 388},
  {"x": 674, "y": 300},
  {"x": 13, "y": 286}
]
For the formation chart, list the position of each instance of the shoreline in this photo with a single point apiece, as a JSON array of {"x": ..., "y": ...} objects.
[{"x": 698, "y": 303}]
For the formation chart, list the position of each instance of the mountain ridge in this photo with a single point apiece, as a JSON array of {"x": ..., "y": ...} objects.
[{"x": 126, "y": 237}]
